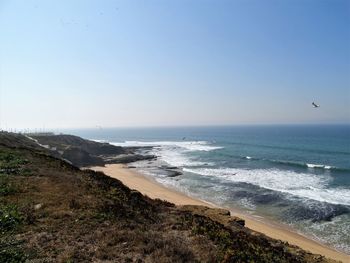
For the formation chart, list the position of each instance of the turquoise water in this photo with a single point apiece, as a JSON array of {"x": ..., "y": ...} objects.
[{"x": 298, "y": 175}]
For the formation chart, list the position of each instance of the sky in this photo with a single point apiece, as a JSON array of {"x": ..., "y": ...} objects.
[{"x": 82, "y": 64}]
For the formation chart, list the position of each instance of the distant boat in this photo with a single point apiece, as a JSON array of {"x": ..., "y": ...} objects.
[{"x": 315, "y": 105}]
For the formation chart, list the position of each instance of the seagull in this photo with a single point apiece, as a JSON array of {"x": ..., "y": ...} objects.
[{"x": 315, "y": 105}]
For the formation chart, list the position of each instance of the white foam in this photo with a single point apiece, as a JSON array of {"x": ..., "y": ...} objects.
[
  {"x": 311, "y": 165},
  {"x": 101, "y": 141},
  {"x": 175, "y": 152},
  {"x": 177, "y": 158},
  {"x": 187, "y": 145},
  {"x": 248, "y": 157},
  {"x": 297, "y": 184},
  {"x": 247, "y": 203},
  {"x": 332, "y": 232}
]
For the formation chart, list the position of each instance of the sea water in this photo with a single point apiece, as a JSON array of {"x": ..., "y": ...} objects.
[{"x": 296, "y": 175}]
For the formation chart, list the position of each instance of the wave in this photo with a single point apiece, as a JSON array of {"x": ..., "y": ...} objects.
[
  {"x": 305, "y": 165},
  {"x": 176, "y": 158},
  {"x": 187, "y": 145},
  {"x": 175, "y": 152},
  {"x": 310, "y": 165},
  {"x": 100, "y": 141},
  {"x": 307, "y": 186},
  {"x": 298, "y": 164},
  {"x": 322, "y": 151},
  {"x": 193, "y": 146}
]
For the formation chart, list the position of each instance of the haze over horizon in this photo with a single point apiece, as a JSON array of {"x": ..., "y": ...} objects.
[{"x": 77, "y": 64}]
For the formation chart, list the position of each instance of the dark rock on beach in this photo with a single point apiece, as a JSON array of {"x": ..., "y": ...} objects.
[
  {"x": 169, "y": 167},
  {"x": 172, "y": 173}
]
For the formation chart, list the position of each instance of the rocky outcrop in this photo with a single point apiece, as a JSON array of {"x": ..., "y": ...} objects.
[
  {"x": 81, "y": 158},
  {"x": 81, "y": 152},
  {"x": 220, "y": 215}
]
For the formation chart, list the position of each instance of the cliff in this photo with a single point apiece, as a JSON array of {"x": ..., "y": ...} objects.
[{"x": 51, "y": 211}]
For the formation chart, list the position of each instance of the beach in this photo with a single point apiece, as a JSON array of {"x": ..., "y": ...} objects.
[{"x": 153, "y": 189}]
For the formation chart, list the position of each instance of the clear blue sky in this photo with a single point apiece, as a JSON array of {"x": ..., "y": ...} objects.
[{"x": 144, "y": 63}]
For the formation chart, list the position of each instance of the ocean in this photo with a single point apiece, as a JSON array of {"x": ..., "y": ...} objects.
[{"x": 296, "y": 175}]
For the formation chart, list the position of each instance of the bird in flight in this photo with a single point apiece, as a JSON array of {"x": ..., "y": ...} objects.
[{"x": 315, "y": 105}]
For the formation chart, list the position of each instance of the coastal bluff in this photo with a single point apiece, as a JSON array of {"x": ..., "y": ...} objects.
[
  {"x": 81, "y": 152},
  {"x": 53, "y": 211}
]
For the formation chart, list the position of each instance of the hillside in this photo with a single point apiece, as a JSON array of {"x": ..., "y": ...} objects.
[
  {"x": 51, "y": 211},
  {"x": 81, "y": 152}
]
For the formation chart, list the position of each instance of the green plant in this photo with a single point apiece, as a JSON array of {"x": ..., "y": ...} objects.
[
  {"x": 26, "y": 172},
  {"x": 11, "y": 162},
  {"x": 11, "y": 252},
  {"x": 6, "y": 187},
  {"x": 9, "y": 217}
]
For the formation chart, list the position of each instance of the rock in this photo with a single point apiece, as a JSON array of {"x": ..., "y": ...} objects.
[
  {"x": 38, "y": 206},
  {"x": 172, "y": 173},
  {"x": 83, "y": 153},
  {"x": 238, "y": 220},
  {"x": 220, "y": 215},
  {"x": 80, "y": 158},
  {"x": 167, "y": 167}
]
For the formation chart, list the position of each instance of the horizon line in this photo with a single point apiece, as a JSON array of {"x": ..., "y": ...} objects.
[{"x": 100, "y": 127}]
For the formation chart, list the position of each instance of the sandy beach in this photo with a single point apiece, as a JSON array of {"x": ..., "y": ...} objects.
[{"x": 151, "y": 188}]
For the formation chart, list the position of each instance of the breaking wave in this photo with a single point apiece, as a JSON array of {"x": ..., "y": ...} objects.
[
  {"x": 302, "y": 185},
  {"x": 298, "y": 164},
  {"x": 186, "y": 145},
  {"x": 175, "y": 152}
]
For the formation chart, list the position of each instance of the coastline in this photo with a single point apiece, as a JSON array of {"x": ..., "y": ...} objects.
[{"x": 153, "y": 189}]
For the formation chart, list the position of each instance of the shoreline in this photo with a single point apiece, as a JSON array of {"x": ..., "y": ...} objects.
[{"x": 153, "y": 189}]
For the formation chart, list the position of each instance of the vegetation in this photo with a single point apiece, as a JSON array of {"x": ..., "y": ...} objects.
[
  {"x": 51, "y": 211},
  {"x": 11, "y": 251},
  {"x": 6, "y": 187}
]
